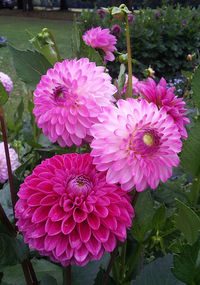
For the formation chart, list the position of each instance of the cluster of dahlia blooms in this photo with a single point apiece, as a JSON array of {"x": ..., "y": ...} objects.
[
  {"x": 101, "y": 39},
  {"x": 73, "y": 207},
  {"x": 3, "y": 165},
  {"x": 69, "y": 212}
]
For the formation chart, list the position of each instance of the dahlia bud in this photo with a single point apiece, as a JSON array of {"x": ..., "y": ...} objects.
[
  {"x": 149, "y": 72},
  {"x": 191, "y": 57},
  {"x": 120, "y": 12},
  {"x": 6, "y": 82},
  {"x": 116, "y": 29},
  {"x": 123, "y": 58}
]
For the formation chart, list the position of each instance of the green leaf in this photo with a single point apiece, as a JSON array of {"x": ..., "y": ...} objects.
[
  {"x": 187, "y": 264},
  {"x": 3, "y": 95},
  {"x": 48, "y": 280},
  {"x": 13, "y": 275},
  {"x": 6, "y": 202},
  {"x": 188, "y": 222},
  {"x": 190, "y": 157},
  {"x": 90, "y": 52},
  {"x": 29, "y": 65},
  {"x": 157, "y": 273},
  {"x": 159, "y": 217},
  {"x": 196, "y": 87},
  {"x": 144, "y": 212},
  {"x": 121, "y": 77}
]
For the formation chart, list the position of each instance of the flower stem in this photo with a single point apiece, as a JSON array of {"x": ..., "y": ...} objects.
[
  {"x": 67, "y": 275},
  {"x": 26, "y": 273},
  {"x": 32, "y": 272},
  {"x": 112, "y": 259},
  {"x": 10, "y": 178},
  {"x": 123, "y": 259},
  {"x": 130, "y": 92},
  {"x": 55, "y": 45}
]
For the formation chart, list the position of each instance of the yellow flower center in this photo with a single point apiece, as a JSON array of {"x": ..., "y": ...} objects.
[{"x": 148, "y": 139}]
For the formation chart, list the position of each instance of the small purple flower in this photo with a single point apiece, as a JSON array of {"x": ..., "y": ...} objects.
[
  {"x": 116, "y": 29},
  {"x": 101, "y": 13},
  {"x": 130, "y": 18},
  {"x": 158, "y": 15},
  {"x": 183, "y": 23}
]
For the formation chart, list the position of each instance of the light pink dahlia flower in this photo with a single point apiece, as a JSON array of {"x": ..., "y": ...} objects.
[
  {"x": 68, "y": 212},
  {"x": 135, "y": 82},
  {"x": 136, "y": 143},
  {"x": 101, "y": 39},
  {"x": 6, "y": 82},
  {"x": 166, "y": 99},
  {"x": 69, "y": 98},
  {"x": 3, "y": 165}
]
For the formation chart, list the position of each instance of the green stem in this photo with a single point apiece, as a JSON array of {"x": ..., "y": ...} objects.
[
  {"x": 135, "y": 260},
  {"x": 130, "y": 92},
  {"x": 67, "y": 275},
  {"x": 112, "y": 259},
  {"x": 123, "y": 259},
  {"x": 55, "y": 45},
  {"x": 194, "y": 192}
]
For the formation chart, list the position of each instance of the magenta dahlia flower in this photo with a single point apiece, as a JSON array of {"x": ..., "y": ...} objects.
[
  {"x": 101, "y": 39},
  {"x": 136, "y": 143},
  {"x": 3, "y": 164},
  {"x": 6, "y": 82},
  {"x": 166, "y": 99},
  {"x": 135, "y": 82},
  {"x": 69, "y": 98},
  {"x": 116, "y": 29},
  {"x": 68, "y": 212}
]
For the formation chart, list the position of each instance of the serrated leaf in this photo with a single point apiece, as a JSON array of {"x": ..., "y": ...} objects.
[
  {"x": 196, "y": 87},
  {"x": 29, "y": 65},
  {"x": 3, "y": 95},
  {"x": 157, "y": 273},
  {"x": 190, "y": 157},
  {"x": 188, "y": 222},
  {"x": 159, "y": 217},
  {"x": 187, "y": 264},
  {"x": 144, "y": 212},
  {"x": 121, "y": 77}
]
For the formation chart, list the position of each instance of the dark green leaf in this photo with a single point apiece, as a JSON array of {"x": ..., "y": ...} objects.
[
  {"x": 48, "y": 280},
  {"x": 144, "y": 212},
  {"x": 191, "y": 151},
  {"x": 3, "y": 95},
  {"x": 187, "y": 264},
  {"x": 159, "y": 217},
  {"x": 90, "y": 52},
  {"x": 196, "y": 87},
  {"x": 29, "y": 65},
  {"x": 188, "y": 222},
  {"x": 20, "y": 109},
  {"x": 100, "y": 276},
  {"x": 157, "y": 273},
  {"x": 5, "y": 199}
]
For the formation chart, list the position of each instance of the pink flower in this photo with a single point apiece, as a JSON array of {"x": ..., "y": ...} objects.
[
  {"x": 102, "y": 13},
  {"x": 135, "y": 82},
  {"x": 136, "y": 143},
  {"x": 69, "y": 98},
  {"x": 130, "y": 18},
  {"x": 101, "y": 39},
  {"x": 68, "y": 212},
  {"x": 166, "y": 99},
  {"x": 116, "y": 29},
  {"x": 3, "y": 165},
  {"x": 6, "y": 82}
]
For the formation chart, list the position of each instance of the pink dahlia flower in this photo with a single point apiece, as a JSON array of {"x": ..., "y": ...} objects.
[
  {"x": 68, "y": 212},
  {"x": 69, "y": 98},
  {"x": 3, "y": 165},
  {"x": 166, "y": 99},
  {"x": 6, "y": 82},
  {"x": 101, "y": 39},
  {"x": 135, "y": 82},
  {"x": 116, "y": 29},
  {"x": 136, "y": 143}
]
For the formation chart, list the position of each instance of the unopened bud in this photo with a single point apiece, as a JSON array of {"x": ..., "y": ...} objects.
[
  {"x": 191, "y": 57},
  {"x": 149, "y": 72},
  {"x": 123, "y": 58}
]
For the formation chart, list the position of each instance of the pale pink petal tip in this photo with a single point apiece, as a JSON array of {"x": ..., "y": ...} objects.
[
  {"x": 6, "y": 82},
  {"x": 136, "y": 143},
  {"x": 69, "y": 99},
  {"x": 3, "y": 164},
  {"x": 67, "y": 211}
]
